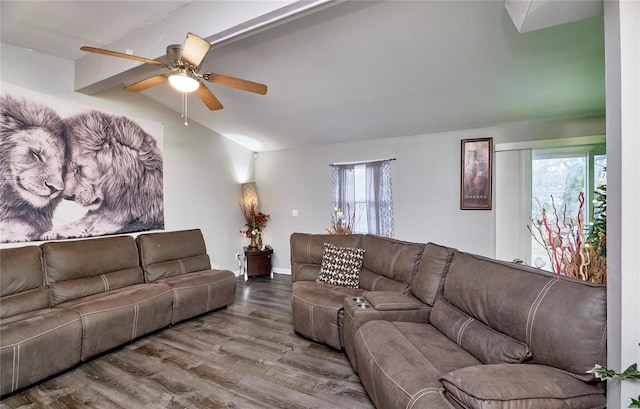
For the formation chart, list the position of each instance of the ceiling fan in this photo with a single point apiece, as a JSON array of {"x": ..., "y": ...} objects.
[{"x": 184, "y": 63}]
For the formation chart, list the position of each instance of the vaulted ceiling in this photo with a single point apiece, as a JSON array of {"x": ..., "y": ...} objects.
[{"x": 336, "y": 71}]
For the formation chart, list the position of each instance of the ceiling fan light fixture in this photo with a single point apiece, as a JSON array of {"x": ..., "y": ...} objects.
[
  {"x": 183, "y": 63},
  {"x": 183, "y": 82}
]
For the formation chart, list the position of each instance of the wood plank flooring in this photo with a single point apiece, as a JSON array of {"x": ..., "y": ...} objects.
[{"x": 245, "y": 356}]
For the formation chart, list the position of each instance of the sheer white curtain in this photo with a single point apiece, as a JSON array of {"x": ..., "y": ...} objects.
[
  {"x": 377, "y": 193},
  {"x": 343, "y": 186}
]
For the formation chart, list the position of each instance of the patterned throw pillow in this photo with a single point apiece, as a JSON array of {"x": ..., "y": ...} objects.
[{"x": 341, "y": 266}]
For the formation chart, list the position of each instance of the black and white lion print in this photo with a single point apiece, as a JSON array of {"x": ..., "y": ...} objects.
[{"x": 32, "y": 168}]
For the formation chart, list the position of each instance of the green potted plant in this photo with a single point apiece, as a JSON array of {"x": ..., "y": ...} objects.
[{"x": 631, "y": 373}]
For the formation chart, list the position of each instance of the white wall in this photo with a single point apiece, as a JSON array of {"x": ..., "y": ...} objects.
[
  {"x": 425, "y": 182},
  {"x": 202, "y": 169},
  {"x": 622, "y": 45}
]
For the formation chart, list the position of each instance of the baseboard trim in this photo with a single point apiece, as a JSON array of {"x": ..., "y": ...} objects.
[{"x": 284, "y": 271}]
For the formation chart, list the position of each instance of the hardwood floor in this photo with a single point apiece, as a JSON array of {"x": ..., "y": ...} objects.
[{"x": 244, "y": 356}]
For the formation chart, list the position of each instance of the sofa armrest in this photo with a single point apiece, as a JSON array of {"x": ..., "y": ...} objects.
[
  {"x": 522, "y": 386},
  {"x": 391, "y": 301}
]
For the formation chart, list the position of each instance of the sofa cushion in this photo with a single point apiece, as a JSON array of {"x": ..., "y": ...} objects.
[
  {"x": 170, "y": 254},
  {"x": 80, "y": 268},
  {"x": 408, "y": 309},
  {"x": 372, "y": 281},
  {"x": 483, "y": 342},
  {"x": 68, "y": 290},
  {"x": 200, "y": 292},
  {"x": 308, "y": 248},
  {"x": 305, "y": 272},
  {"x": 318, "y": 312},
  {"x": 168, "y": 246},
  {"x": 21, "y": 281},
  {"x": 37, "y": 344},
  {"x": 429, "y": 279},
  {"x": 116, "y": 317},
  {"x": 166, "y": 269},
  {"x": 393, "y": 259},
  {"x": 400, "y": 363},
  {"x": 533, "y": 306},
  {"x": 391, "y": 301},
  {"x": 522, "y": 386},
  {"x": 340, "y": 266}
]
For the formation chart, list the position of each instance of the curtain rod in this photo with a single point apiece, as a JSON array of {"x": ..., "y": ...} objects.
[{"x": 358, "y": 163}]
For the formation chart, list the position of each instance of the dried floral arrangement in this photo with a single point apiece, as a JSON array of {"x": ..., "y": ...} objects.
[
  {"x": 566, "y": 244},
  {"x": 255, "y": 221},
  {"x": 340, "y": 225}
]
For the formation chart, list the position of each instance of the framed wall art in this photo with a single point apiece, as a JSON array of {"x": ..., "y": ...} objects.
[
  {"x": 69, "y": 171},
  {"x": 476, "y": 174}
]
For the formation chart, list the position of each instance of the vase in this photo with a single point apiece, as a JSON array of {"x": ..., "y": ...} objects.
[
  {"x": 260, "y": 241},
  {"x": 253, "y": 244}
]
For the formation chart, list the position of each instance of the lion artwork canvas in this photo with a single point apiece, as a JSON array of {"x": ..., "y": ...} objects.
[
  {"x": 32, "y": 160},
  {"x": 104, "y": 164}
]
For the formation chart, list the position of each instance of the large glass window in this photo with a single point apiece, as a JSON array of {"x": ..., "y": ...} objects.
[{"x": 558, "y": 177}]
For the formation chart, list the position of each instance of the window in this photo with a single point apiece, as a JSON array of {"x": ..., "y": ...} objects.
[
  {"x": 526, "y": 171},
  {"x": 360, "y": 199},
  {"x": 563, "y": 173},
  {"x": 363, "y": 192}
]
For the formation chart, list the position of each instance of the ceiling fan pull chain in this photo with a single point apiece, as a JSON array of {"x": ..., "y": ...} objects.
[{"x": 184, "y": 109}]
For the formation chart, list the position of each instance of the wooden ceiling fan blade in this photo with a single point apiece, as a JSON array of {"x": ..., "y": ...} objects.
[
  {"x": 208, "y": 98},
  {"x": 238, "y": 83},
  {"x": 146, "y": 83},
  {"x": 194, "y": 50},
  {"x": 121, "y": 55}
]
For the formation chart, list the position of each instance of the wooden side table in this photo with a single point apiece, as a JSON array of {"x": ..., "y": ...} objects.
[{"x": 257, "y": 262}]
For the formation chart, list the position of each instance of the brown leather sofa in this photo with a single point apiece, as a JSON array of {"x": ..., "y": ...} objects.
[
  {"x": 179, "y": 259},
  {"x": 65, "y": 302},
  {"x": 387, "y": 274},
  {"x": 494, "y": 335}
]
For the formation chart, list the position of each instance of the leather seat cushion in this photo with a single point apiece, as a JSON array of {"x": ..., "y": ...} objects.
[
  {"x": 30, "y": 346},
  {"x": 318, "y": 311},
  {"x": 521, "y": 385},
  {"x": 116, "y": 317},
  {"x": 406, "y": 371},
  {"x": 197, "y": 293}
]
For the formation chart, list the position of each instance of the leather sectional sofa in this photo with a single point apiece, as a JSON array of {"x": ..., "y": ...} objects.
[
  {"x": 65, "y": 302},
  {"x": 462, "y": 331}
]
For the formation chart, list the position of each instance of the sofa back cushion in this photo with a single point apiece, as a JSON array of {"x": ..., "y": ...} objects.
[
  {"x": 372, "y": 281},
  {"x": 79, "y": 268},
  {"x": 307, "y": 250},
  {"x": 394, "y": 259},
  {"x": 22, "y": 286},
  {"x": 483, "y": 342},
  {"x": 429, "y": 279},
  {"x": 169, "y": 254},
  {"x": 561, "y": 320}
]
